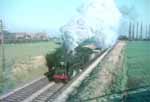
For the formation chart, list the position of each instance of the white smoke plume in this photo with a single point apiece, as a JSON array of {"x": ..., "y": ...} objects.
[{"x": 96, "y": 18}]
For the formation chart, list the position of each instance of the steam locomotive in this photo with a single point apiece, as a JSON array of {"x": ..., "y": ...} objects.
[{"x": 68, "y": 66}]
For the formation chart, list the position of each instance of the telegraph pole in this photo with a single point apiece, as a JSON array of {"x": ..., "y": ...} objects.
[{"x": 2, "y": 44}]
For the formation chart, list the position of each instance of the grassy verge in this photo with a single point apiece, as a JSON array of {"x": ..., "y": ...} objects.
[
  {"x": 23, "y": 63},
  {"x": 120, "y": 76},
  {"x": 138, "y": 63},
  {"x": 103, "y": 79}
]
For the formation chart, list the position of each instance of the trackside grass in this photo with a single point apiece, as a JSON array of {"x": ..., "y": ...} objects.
[
  {"x": 138, "y": 63},
  {"x": 23, "y": 63}
]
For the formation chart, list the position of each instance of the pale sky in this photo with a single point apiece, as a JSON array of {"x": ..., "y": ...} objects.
[
  {"x": 140, "y": 9},
  {"x": 34, "y": 15},
  {"x": 47, "y": 15}
]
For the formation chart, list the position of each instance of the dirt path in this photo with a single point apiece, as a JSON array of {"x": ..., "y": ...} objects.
[
  {"x": 110, "y": 68},
  {"x": 102, "y": 77}
]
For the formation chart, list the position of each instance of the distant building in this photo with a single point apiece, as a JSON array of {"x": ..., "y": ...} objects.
[
  {"x": 41, "y": 36},
  {"x": 31, "y": 36},
  {"x": 20, "y": 35}
]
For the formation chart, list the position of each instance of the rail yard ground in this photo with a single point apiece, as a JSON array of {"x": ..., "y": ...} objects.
[
  {"x": 25, "y": 62},
  {"x": 125, "y": 67}
]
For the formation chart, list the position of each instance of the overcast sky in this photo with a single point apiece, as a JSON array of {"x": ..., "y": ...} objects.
[{"x": 47, "y": 15}]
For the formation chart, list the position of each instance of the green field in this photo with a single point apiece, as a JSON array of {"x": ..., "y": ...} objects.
[
  {"x": 23, "y": 63},
  {"x": 138, "y": 63},
  {"x": 136, "y": 70}
]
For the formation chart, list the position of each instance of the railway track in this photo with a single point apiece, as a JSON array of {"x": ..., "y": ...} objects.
[
  {"x": 22, "y": 93},
  {"x": 40, "y": 90},
  {"x": 37, "y": 91},
  {"x": 49, "y": 92}
]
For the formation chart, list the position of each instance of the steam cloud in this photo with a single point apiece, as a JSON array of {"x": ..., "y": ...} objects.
[{"x": 96, "y": 18}]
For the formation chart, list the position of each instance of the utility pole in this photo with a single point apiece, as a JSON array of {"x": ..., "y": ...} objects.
[{"x": 2, "y": 45}]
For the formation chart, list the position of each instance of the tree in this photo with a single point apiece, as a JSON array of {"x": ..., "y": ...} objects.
[
  {"x": 141, "y": 37},
  {"x": 133, "y": 33},
  {"x": 130, "y": 31},
  {"x": 137, "y": 29}
]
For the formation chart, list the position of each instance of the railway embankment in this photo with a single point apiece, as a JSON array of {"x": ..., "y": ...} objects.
[{"x": 102, "y": 80}]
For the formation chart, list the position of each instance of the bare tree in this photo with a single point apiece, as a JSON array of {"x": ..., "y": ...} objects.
[
  {"x": 133, "y": 31},
  {"x": 130, "y": 31},
  {"x": 137, "y": 31},
  {"x": 146, "y": 34},
  {"x": 141, "y": 31}
]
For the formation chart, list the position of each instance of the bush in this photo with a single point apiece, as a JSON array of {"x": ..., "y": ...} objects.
[{"x": 123, "y": 37}]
